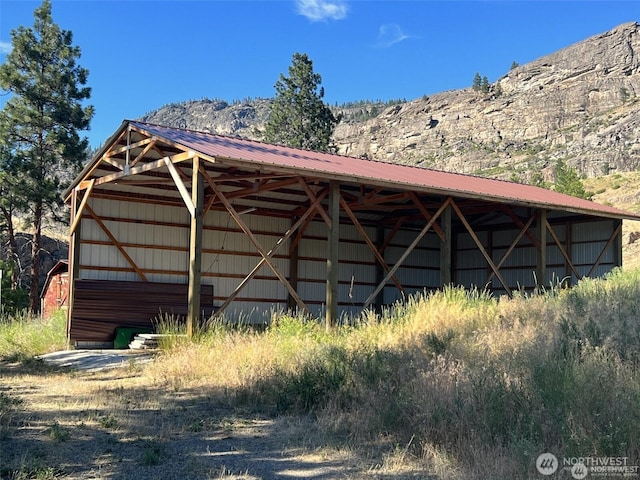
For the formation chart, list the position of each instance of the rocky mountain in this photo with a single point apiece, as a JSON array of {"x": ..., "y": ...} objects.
[{"x": 580, "y": 104}]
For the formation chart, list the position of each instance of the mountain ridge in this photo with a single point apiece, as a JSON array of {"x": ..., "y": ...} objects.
[{"x": 580, "y": 104}]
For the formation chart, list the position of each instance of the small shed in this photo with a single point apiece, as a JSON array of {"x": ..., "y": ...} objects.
[
  {"x": 55, "y": 292},
  {"x": 168, "y": 220}
]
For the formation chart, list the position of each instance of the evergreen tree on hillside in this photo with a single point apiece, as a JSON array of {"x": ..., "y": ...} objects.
[
  {"x": 299, "y": 117},
  {"x": 40, "y": 122},
  {"x": 477, "y": 82},
  {"x": 568, "y": 181}
]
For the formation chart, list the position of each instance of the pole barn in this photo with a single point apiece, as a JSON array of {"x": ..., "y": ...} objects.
[{"x": 166, "y": 221}]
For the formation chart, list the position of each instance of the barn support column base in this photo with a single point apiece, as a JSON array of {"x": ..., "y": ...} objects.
[
  {"x": 333, "y": 245},
  {"x": 541, "y": 268},
  {"x": 195, "y": 248},
  {"x": 446, "y": 248}
]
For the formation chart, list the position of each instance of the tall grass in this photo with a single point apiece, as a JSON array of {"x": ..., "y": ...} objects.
[
  {"x": 467, "y": 385},
  {"x": 25, "y": 335},
  {"x": 475, "y": 386}
]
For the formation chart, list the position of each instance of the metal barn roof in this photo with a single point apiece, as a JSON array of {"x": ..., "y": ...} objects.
[{"x": 277, "y": 158}]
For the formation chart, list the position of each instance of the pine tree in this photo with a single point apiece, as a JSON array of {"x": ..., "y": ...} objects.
[
  {"x": 484, "y": 86},
  {"x": 40, "y": 122},
  {"x": 568, "y": 181},
  {"x": 299, "y": 117},
  {"x": 477, "y": 82}
]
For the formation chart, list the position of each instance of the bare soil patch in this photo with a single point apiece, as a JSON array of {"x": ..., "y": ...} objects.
[{"x": 121, "y": 424}]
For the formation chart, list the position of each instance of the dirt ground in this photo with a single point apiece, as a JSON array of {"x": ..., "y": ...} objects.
[{"x": 116, "y": 423}]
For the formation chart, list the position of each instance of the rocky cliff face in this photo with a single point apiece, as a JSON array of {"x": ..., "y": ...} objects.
[{"x": 580, "y": 104}]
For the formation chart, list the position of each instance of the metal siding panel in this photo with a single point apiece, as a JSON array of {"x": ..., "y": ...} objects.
[
  {"x": 587, "y": 253},
  {"x": 590, "y": 231},
  {"x": 470, "y": 278}
]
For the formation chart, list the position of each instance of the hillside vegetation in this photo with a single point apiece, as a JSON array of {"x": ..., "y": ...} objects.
[{"x": 450, "y": 385}]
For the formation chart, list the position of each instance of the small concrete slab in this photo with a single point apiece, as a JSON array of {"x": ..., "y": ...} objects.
[{"x": 96, "y": 360}]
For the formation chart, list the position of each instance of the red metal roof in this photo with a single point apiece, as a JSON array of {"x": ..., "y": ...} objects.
[{"x": 359, "y": 170}]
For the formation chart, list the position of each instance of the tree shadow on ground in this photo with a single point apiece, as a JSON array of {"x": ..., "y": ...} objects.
[{"x": 57, "y": 422}]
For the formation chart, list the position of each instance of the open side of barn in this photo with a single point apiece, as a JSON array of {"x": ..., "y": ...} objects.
[{"x": 169, "y": 221}]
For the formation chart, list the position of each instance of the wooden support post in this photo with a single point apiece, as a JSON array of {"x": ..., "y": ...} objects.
[
  {"x": 445, "y": 248},
  {"x": 293, "y": 270},
  {"x": 333, "y": 245},
  {"x": 380, "y": 240},
  {"x": 618, "y": 245},
  {"x": 541, "y": 266},
  {"x": 74, "y": 258},
  {"x": 569, "y": 241},
  {"x": 195, "y": 248}
]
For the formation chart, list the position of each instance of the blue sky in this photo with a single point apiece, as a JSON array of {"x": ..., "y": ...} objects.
[{"x": 143, "y": 54}]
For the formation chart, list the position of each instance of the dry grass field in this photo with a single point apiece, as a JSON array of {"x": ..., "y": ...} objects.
[
  {"x": 451, "y": 385},
  {"x": 454, "y": 385}
]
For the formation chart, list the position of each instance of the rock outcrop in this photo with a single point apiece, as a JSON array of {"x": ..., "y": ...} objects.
[{"x": 580, "y": 104}]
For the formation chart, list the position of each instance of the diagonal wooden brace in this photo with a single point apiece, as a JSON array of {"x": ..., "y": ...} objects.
[
  {"x": 406, "y": 253},
  {"x": 265, "y": 255},
  {"x": 368, "y": 241}
]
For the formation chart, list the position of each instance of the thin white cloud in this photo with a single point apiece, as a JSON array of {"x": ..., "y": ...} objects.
[
  {"x": 319, "y": 10},
  {"x": 389, "y": 34},
  {"x": 5, "y": 48}
]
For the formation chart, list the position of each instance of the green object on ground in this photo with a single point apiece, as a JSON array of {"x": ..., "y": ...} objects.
[{"x": 124, "y": 335}]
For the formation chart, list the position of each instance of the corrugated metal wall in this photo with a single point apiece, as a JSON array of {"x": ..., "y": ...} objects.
[
  {"x": 583, "y": 243},
  {"x": 157, "y": 238}
]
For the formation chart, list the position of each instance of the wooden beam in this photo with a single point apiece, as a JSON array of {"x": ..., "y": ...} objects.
[
  {"x": 425, "y": 213},
  {"x": 115, "y": 242},
  {"x": 480, "y": 247},
  {"x": 298, "y": 237},
  {"x": 521, "y": 234},
  {"x": 612, "y": 238},
  {"x": 333, "y": 246},
  {"x": 195, "y": 249},
  {"x": 281, "y": 241},
  {"x": 520, "y": 224},
  {"x": 234, "y": 214},
  {"x": 312, "y": 197},
  {"x": 78, "y": 215},
  {"x": 146, "y": 150},
  {"x": 184, "y": 192},
  {"x": 541, "y": 264},
  {"x": 392, "y": 233},
  {"x": 129, "y": 147},
  {"x": 179, "y": 157},
  {"x": 446, "y": 250},
  {"x": 369, "y": 243},
  {"x": 562, "y": 249},
  {"x": 406, "y": 253}
]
